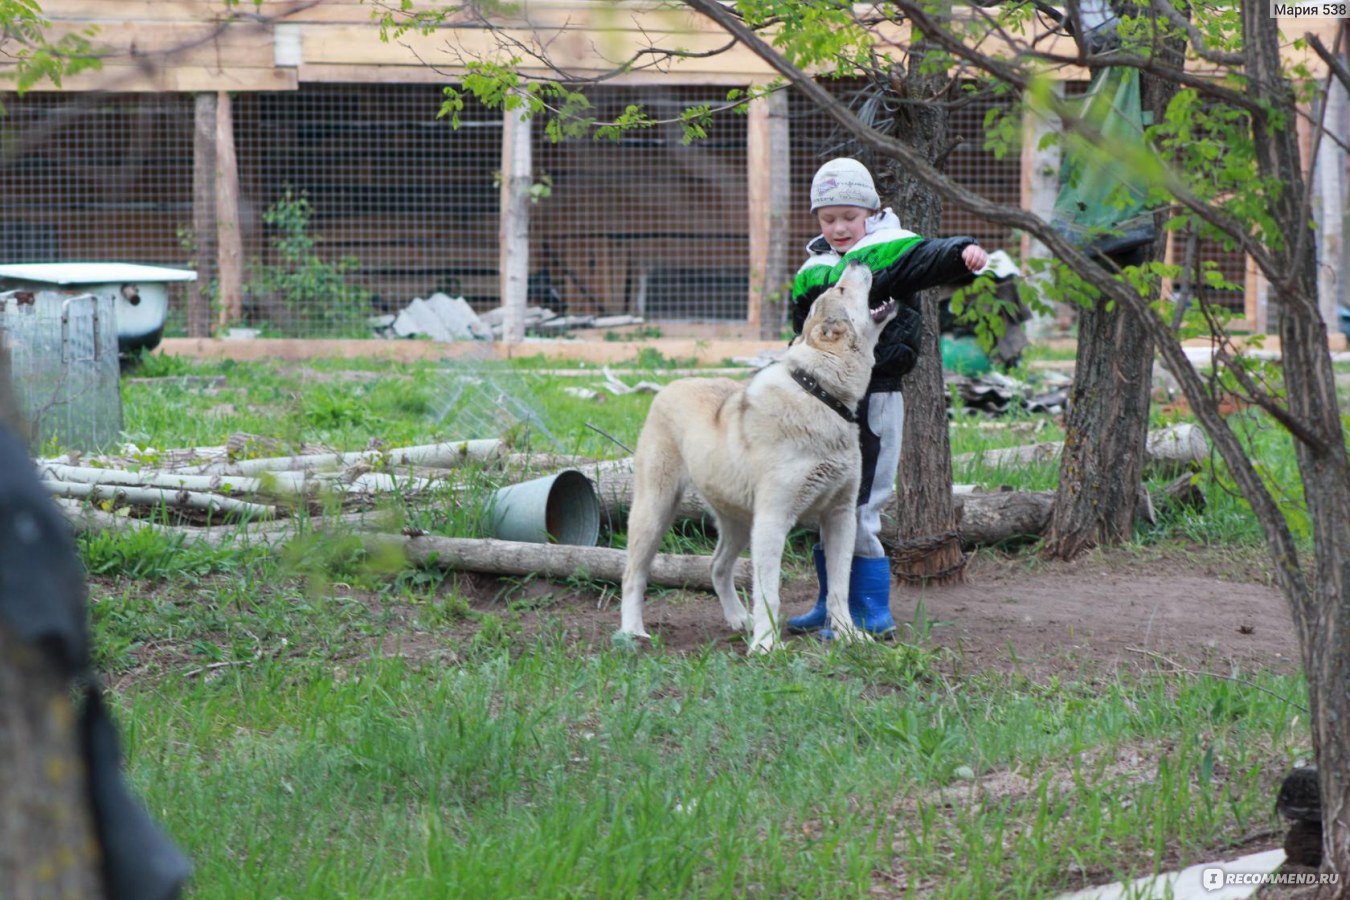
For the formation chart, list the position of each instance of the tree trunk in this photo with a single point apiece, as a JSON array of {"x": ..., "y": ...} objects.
[
  {"x": 1103, "y": 457},
  {"x": 1320, "y": 600},
  {"x": 1102, "y": 466},
  {"x": 928, "y": 545},
  {"x": 47, "y": 843}
]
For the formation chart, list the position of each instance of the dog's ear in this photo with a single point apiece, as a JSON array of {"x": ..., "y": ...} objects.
[{"x": 834, "y": 329}]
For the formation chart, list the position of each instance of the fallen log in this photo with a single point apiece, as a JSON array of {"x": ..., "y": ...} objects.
[
  {"x": 985, "y": 520},
  {"x": 1175, "y": 447},
  {"x": 1179, "y": 446},
  {"x": 615, "y": 490},
  {"x": 443, "y": 455},
  {"x": 268, "y": 483},
  {"x": 549, "y": 560},
  {"x": 219, "y": 484},
  {"x": 458, "y": 554},
  {"x": 86, "y": 519},
  {"x": 158, "y": 497}
]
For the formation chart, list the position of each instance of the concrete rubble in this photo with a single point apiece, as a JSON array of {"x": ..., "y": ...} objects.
[{"x": 447, "y": 319}]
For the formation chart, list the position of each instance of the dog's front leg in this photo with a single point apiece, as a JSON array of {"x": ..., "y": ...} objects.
[
  {"x": 838, "y": 529},
  {"x": 767, "y": 536},
  {"x": 732, "y": 536}
]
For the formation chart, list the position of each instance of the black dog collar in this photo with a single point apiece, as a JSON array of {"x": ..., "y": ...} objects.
[{"x": 812, "y": 387}]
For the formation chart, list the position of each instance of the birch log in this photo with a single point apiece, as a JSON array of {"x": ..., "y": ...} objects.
[
  {"x": 158, "y": 497},
  {"x": 549, "y": 560},
  {"x": 1178, "y": 446},
  {"x": 218, "y": 484},
  {"x": 444, "y": 455}
]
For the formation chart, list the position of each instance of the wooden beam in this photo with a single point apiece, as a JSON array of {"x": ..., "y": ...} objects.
[
  {"x": 230, "y": 253},
  {"x": 355, "y": 73},
  {"x": 177, "y": 79},
  {"x": 573, "y": 50},
  {"x": 1254, "y": 298},
  {"x": 1039, "y": 188},
  {"x": 203, "y": 212},
  {"x": 205, "y": 42},
  {"x": 514, "y": 266},
  {"x": 768, "y": 159}
]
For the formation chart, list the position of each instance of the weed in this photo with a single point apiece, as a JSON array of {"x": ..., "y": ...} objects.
[
  {"x": 153, "y": 555},
  {"x": 641, "y": 333},
  {"x": 304, "y": 285}
]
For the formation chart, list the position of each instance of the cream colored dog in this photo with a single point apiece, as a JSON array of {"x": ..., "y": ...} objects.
[{"x": 766, "y": 454}]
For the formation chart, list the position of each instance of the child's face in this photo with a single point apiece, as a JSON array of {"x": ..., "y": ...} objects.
[{"x": 843, "y": 226}]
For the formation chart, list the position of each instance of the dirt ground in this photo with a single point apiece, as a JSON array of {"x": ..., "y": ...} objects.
[{"x": 1109, "y": 611}]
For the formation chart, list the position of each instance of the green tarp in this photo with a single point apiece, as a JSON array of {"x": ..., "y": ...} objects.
[{"x": 1099, "y": 207}]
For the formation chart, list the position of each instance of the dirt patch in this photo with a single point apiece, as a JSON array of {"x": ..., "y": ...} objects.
[{"x": 1109, "y": 611}]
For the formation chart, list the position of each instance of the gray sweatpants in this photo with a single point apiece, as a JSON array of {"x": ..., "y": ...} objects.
[{"x": 881, "y": 425}]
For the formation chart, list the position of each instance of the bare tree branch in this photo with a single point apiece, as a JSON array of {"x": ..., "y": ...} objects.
[
  {"x": 1267, "y": 402},
  {"x": 1333, "y": 60},
  {"x": 1221, "y": 220},
  {"x": 1194, "y": 37},
  {"x": 1226, "y": 442}
]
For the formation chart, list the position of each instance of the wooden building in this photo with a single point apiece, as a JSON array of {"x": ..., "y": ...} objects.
[{"x": 211, "y": 133}]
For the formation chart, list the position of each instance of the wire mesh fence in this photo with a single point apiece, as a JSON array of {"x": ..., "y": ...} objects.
[
  {"x": 815, "y": 139},
  {"x": 398, "y": 204},
  {"x": 96, "y": 177},
  {"x": 649, "y": 224},
  {"x": 356, "y": 199}
]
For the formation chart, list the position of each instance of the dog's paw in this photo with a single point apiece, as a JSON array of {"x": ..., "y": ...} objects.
[
  {"x": 764, "y": 643},
  {"x": 739, "y": 622},
  {"x": 624, "y": 640}
]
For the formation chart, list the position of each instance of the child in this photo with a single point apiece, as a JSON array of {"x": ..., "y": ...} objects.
[{"x": 854, "y": 227}]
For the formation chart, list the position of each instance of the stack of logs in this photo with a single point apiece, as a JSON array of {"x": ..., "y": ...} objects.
[{"x": 265, "y": 499}]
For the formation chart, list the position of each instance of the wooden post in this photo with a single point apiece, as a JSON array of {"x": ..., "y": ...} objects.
[
  {"x": 1329, "y": 204},
  {"x": 1254, "y": 299},
  {"x": 1040, "y": 187},
  {"x": 514, "y": 260},
  {"x": 229, "y": 256},
  {"x": 767, "y": 163},
  {"x": 203, "y": 213}
]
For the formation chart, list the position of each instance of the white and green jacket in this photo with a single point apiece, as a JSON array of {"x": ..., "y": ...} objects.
[{"x": 903, "y": 264}]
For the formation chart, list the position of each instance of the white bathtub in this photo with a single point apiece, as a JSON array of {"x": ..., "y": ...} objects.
[{"x": 139, "y": 293}]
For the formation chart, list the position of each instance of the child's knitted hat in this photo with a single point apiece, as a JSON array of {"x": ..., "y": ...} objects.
[{"x": 843, "y": 182}]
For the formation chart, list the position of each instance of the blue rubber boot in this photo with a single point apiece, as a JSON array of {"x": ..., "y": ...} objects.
[
  {"x": 869, "y": 598},
  {"x": 817, "y": 618},
  {"x": 869, "y": 595}
]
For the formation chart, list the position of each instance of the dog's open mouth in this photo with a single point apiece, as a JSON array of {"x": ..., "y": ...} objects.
[{"x": 884, "y": 310}]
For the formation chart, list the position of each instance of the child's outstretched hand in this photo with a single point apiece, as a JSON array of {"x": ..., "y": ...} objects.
[{"x": 974, "y": 257}]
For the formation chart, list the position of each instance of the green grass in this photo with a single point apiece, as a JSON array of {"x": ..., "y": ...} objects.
[
  {"x": 319, "y": 402},
  {"x": 543, "y": 773},
  {"x": 319, "y": 723}
]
